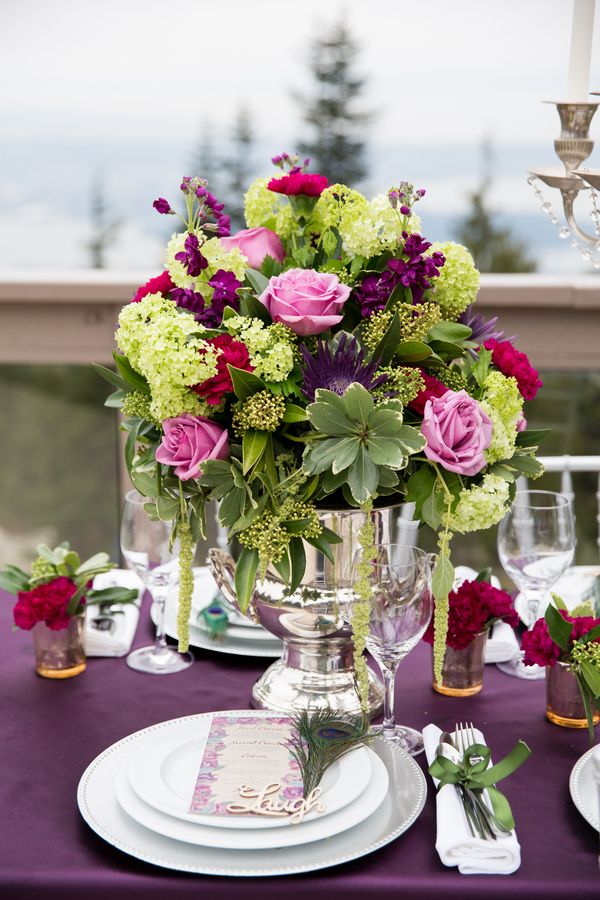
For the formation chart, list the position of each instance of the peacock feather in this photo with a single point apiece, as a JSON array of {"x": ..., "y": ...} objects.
[{"x": 322, "y": 737}]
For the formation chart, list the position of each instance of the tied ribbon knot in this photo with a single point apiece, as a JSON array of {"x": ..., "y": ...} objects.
[{"x": 478, "y": 777}]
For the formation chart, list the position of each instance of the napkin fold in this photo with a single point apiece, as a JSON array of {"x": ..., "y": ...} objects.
[
  {"x": 454, "y": 843},
  {"x": 118, "y": 640}
]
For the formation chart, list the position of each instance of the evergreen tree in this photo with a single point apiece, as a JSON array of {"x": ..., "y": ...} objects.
[
  {"x": 336, "y": 145},
  {"x": 204, "y": 162},
  {"x": 239, "y": 167},
  {"x": 104, "y": 227},
  {"x": 494, "y": 247}
]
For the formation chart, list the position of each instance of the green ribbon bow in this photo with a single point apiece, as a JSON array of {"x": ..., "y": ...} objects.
[{"x": 477, "y": 776}]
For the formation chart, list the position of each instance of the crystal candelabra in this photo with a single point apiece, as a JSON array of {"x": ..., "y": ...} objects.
[{"x": 573, "y": 147}]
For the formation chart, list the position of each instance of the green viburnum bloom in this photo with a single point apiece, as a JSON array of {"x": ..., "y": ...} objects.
[
  {"x": 458, "y": 281},
  {"x": 357, "y": 442}
]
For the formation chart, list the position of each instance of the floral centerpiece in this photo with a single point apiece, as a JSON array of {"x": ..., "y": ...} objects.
[
  {"x": 571, "y": 642},
  {"x": 325, "y": 355}
]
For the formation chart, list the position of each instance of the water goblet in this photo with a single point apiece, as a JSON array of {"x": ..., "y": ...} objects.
[
  {"x": 536, "y": 545},
  {"x": 400, "y": 607},
  {"x": 145, "y": 544}
]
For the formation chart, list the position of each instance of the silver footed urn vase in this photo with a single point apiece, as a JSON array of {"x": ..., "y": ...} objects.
[{"x": 317, "y": 666}]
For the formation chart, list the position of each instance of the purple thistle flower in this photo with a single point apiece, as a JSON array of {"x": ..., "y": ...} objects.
[
  {"x": 482, "y": 329},
  {"x": 163, "y": 207},
  {"x": 191, "y": 257},
  {"x": 337, "y": 369}
]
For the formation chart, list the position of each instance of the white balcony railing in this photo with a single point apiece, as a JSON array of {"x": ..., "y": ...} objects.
[{"x": 70, "y": 317}]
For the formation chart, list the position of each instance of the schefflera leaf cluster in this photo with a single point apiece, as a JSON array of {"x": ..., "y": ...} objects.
[{"x": 359, "y": 445}]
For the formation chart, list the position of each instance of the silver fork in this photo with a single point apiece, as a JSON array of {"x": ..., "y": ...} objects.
[{"x": 466, "y": 737}]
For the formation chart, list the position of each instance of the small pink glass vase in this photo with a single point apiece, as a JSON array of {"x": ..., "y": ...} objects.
[
  {"x": 462, "y": 671},
  {"x": 564, "y": 705},
  {"x": 59, "y": 654}
]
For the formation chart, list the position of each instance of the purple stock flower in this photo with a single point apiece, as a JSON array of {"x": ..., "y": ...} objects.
[
  {"x": 405, "y": 210},
  {"x": 191, "y": 257},
  {"x": 163, "y": 207},
  {"x": 225, "y": 286},
  {"x": 186, "y": 298},
  {"x": 223, "y": 226},
  {"x": 374, "y": 292},
  {"x": 337, "y": 369}
]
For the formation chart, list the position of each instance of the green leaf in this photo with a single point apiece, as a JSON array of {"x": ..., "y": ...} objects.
[
  {"x": 411, "y": 440},
  {"x": 533, "y": 437},
  {"x": 385, "y": 451},
  {"x": 386, "y": 348},
  {"x": 115, "y": 400},
  {"x": 112, "y": 595},
  {"x": 167, "y": 508},
  {"x": 527, "y": 465},
  {"x": 412, "y": 351},
  {"x": 112, "y": 377},
  {"x": 245, "y": 576},
  {"x": 419, "y": 487},
  {"x": 283, "y": 567},
  {"x": 481, "y": 368},
  {"x": 252, "y": 308},
  {"x": 245, "y": 384},
  {"x": 320, "y": 543},
  {"x": 591, "y": 635},
  {"x": 295, "y": 526},
  {"x": 433, "y": 508},
  {"x": 294, "y": 413},
  {"x": 253, "y": 447},
  {"x": 345, "y": 454},
  {"x": 449, "y": 331},
  {"x": 363, "y": 477},
  {"x": 144, "y": 483},
  {"x": 359, "y": 403},
  {"x": 232, "y": 506},
  {"x": 13, "y": 583},
  {"x": 587, "y": 705},
  {"x": 129, "y": 374},
  {"x": 442, "y": 579},
  {"x": 592, "y": 676},
  {"x": 558, "y": 628},
  {"x": 559, "y": 602},
  {"x": 298, "y": 562},
  {"x": 257, "y": 280},
  {"x": 328, "y": 419},
  {"x": 446, "y": 349},
  {"x": 485, "y": 575},
  {"x": 331, "y": 536},
  {"x": 330, "y": 242},
  {"x": 320, "y": 455}
]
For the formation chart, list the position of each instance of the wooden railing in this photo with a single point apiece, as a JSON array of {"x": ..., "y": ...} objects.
[{"x": 70, "y": 317}]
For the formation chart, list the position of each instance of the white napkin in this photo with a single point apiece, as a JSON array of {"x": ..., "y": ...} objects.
[
  {"x": 454, "y": 842},
  {"x": 502, "y": 643},
  {"x": 118, "y": 640}
]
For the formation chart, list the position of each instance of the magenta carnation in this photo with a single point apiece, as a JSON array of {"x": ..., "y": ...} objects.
[
  {"x": 161, "y": 284},
  {"x": 311, "y": 185},
  {"x": 46, "y": 603},
  {"x": 433, "y": 388},
  {"x": 512, "y": 363},
  {"x": 539, "y": 648},
  {"x": 473, "y": 607}
]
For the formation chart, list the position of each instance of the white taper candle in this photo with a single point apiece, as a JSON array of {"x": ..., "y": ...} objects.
[{"x": 581, "y": 49}]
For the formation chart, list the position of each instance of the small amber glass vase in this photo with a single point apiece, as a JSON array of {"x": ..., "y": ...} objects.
[
  {"x": 564, "y": 705},
  {"x": 462, "y": 671},
  {"x": 59, "y": 654}
]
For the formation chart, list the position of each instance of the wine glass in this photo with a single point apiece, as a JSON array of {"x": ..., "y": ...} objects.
[
  {"x": 400, "y": 607},
  {"x": 536, "y": 545},
  {"x": 145, "y": 547}
]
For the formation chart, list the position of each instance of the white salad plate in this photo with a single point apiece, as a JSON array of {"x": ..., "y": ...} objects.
[
  {"x": 163, "y": 774},
  {"x": 224, "y": 643},
  {"x": 584, "y": 790},
  {"x": 101, "y": 810},
  {"x": 314, "y": 829}
]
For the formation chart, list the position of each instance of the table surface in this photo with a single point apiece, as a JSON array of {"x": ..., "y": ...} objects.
[{"x": 53, "y": 729}]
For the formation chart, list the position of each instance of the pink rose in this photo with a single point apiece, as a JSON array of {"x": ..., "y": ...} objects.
[
  {"x": 457, "y": 432},
  {"x": 306, "y": 301},
  {"x": 256, "y": 244},
  {"x": 188, "y": 441}
]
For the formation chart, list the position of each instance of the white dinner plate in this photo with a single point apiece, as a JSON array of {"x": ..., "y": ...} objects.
[
  {"x": 584, "y": 790},
  {"x": 163, "y": 774},
  {"x": 206, "y": 591},
  {"x": 314, "y": 829},
  {"x": 99, "y": 807}
]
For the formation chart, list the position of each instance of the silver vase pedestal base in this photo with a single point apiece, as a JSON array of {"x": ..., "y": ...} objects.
[{"x": 304, "y": 678}]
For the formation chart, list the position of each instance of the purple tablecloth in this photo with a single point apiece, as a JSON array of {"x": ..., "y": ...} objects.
[{"x": 51, "y": 730}]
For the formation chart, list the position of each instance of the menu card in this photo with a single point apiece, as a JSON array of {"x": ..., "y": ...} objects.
[{"x": 245, "y": 751}]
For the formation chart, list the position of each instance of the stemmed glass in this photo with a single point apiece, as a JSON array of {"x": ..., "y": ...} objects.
[
  {"x": 400, "y": 608},
  {"x": 145, "y": 547},
  {"x": 536, "y": 545}
]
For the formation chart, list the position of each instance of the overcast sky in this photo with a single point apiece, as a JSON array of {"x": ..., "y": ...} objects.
[{"x": 149, "y": 73}]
